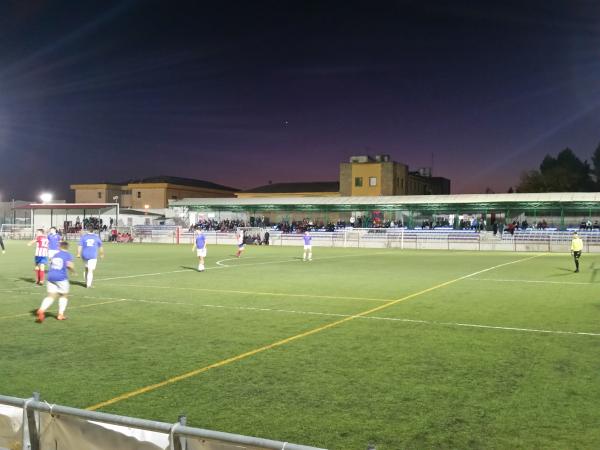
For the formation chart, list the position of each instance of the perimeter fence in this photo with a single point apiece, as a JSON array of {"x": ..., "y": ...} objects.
[
  {"x": 417, "y": 239},
  {"x": 399, "y": 238},
  {"x": 30, "y": 424}
]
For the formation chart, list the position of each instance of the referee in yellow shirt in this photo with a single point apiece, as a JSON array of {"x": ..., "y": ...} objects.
[{"x": 576, "y": 248}]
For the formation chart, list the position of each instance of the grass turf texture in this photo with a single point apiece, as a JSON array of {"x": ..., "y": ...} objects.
[{"x": 418, "y": 375}]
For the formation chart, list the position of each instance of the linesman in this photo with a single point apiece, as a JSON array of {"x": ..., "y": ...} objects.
[{"x": 576, "y": 248}]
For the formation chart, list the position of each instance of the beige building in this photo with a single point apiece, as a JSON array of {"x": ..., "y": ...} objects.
[
  {"x": 149, "y": 193},
  {"x": 379, "y": 175}
]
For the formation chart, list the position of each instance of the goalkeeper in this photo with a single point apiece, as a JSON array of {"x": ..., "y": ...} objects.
[{"x": 576, "y": 248}]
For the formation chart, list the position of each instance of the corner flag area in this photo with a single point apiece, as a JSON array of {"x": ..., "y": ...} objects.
[{"x": 402, "y": 349}]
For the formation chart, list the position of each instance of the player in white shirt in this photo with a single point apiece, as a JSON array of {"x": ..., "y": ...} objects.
[{"x": 239, "y": 235}]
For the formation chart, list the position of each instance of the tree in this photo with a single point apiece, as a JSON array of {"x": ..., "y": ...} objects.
[
  {"x": 596, "y": 169},
  {"x": 565, "y": 173}
]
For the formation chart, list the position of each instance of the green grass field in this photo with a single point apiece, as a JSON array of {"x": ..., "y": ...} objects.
[{"x": 464, "y": 357}]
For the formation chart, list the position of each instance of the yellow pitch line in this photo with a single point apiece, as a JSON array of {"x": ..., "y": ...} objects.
[
  {"x": 287, "y": 340},
  {"x": 274, "y": 294},
  {"x": 72, "y": 307}
]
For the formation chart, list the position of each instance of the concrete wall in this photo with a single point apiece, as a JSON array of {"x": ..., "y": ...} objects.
[{"x": 346, "y": 179}]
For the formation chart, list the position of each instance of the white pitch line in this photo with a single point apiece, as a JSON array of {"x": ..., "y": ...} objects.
[
  {"x": 391, "y": 319},
  {"x": 534, "y": 281},
  {"x": 237, "y": 265},
  {"x": 258, "y": 293},
  {"x": 220, "y": 262}
]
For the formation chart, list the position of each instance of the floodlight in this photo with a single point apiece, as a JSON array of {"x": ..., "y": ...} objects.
[{"x": 46, "y": 197}]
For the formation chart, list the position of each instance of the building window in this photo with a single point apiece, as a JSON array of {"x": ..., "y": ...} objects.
[
  {"x": 99, "y": 194},
  {"x": 358, "y": 182},
  {"x": 139, "y": 194},
  {"x": 372, "y": 181}
]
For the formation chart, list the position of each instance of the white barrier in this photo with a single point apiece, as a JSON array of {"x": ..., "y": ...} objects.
[
  {"x": 441, "y": 239},
  {"x": 31, "y": 424}
]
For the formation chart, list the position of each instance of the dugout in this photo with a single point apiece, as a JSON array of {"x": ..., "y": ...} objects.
[
  {"x": 556, "y": 210},
  {"x": 70, "y": 217}
]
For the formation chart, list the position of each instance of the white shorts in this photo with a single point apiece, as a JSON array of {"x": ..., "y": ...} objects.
[
  {"x": 51, "y": 253},
  {"x": 90, "y": 264},
  {"x": 201, "y": 252},
  {"x": 308, "y": 247},
  {"x": 58, "y": 287}
]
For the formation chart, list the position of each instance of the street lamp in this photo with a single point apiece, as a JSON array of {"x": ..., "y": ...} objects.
[{"x": 46, "y": 197}]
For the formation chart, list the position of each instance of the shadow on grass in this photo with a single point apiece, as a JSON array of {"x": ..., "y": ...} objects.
[
  {"x": 188, "y": 267},
  {"x": 27, "y": 280},
  {"x": 33, "y": 313},
  {"x": 78, "y": 283},
  {"x": 565, "y": 272},
  {"x": 594, "y": 271}
]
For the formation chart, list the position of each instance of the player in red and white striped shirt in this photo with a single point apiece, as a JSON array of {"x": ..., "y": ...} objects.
[{"x": 41, "y": 255}]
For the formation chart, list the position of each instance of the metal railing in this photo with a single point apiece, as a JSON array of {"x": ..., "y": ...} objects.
[{"x": 179, "y": 435}]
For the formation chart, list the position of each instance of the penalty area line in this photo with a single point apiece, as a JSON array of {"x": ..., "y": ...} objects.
[
  {"x": 281, "y": 342},
  {"x": 389, "y": 319},
  {"x": 89, "y": 305},
  {"x": 566, "y": 283}
]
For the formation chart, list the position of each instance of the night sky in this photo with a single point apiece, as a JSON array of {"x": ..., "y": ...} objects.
[{"x": 241, "y": 93}]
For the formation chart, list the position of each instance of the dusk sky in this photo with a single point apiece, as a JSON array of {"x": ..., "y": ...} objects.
[{"x": 240, "y": 93}]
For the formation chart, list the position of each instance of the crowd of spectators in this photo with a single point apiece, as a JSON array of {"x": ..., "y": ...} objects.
[
  {"x": 116, "y": 236},
  {"x": 300, "y": 226},
  {"x": 96, "y": 223},
  {"x": 588, "y": 225}
]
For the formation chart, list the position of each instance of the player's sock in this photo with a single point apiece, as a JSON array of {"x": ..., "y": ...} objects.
[
  {"x": 237, "y": 254},
  {"x": 310, "y": 256},
  {"x": 41, "y": 273},
  {"x": 89, "y": 278},
  {"x": 46, "y": 303},
  {"x": 62, "y": 306},
  {"x": 201, "y": 267},
  {"x": 37, "y": 275}
]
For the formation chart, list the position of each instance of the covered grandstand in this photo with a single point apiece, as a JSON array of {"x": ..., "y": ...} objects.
[{"x": 554, "y": 210}]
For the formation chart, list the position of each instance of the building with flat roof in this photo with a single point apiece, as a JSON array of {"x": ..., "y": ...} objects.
[
  {"x": 300, "y": 189},
  {"x": 369, "y": 176},
  {"x": 149, "y": 193}
]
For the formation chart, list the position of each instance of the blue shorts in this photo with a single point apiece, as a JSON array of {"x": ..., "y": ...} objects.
[
  {"x": 41, "y": 260},
  {"x": 240, "y": 245}
]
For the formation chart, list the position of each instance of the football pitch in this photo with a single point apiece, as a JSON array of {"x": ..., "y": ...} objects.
[{"x": 402, "y": 349}]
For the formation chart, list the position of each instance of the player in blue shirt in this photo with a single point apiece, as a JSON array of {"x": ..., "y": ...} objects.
[
  {"x": 307, "y": 246},
  {"x": 90, "y": 245},
  {"x": 58, "y": 283},
  {"x": 53, "y": 242},
  {"x": 200, "y": 248}
]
